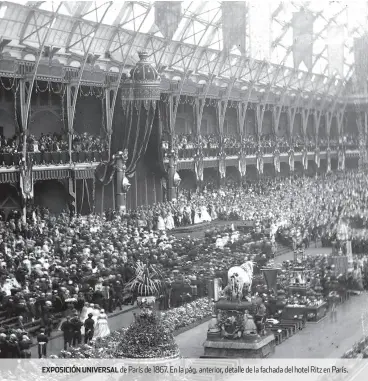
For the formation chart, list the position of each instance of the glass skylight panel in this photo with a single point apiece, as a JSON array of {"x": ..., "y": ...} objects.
[
  {"x": 50, "y": 6},
  {"x": 3, "y": 9}
]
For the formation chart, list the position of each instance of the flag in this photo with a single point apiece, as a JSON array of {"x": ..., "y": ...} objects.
[
  {"x": 234, "y": 25},
  {"x": 26, "y": 180},
  {"x": 167, "y": 17},
  {"x": 361, "y": 59},
  {"x": 336, "y": 49},
  {"x": 302, "y": 23},
  {"x": 270, "y": 276}
]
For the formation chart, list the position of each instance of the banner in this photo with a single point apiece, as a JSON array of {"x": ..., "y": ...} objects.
[
  {"x": 222, "y": 165},
  {"x": 198, "y": 167},
  {"x": 317, "y": 157},
  {"x": 270, "y": 276},
  {"x": 341, "y": 160},
  {"x": 259, "y": 160},
  {"x": 291, "y": 160},
  {"x": 234, "y": 25},
  {"x": 361, "y": 60},
  {"x": 242, "y": 164},
  {"x": 305, "y": 159},
  {"x": 26, "y": 181},
  {"x": 302, "y": 23},
  {"x": 328, "y": 160},
  {"x": 336, "y": 49},
  {"x": 167, "y": 17},
  {"x": 276, "y": 161}
]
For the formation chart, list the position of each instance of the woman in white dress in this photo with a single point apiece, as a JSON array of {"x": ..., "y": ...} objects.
[
  {"x": 205, "y": 215},
  {"x": 169, "y": 221},
  {"x": 160, "y": 223},
  {"x": 96, "y": 313},
  {"x": 197, "y": 216},
  {"x": 102, "y": 327}
]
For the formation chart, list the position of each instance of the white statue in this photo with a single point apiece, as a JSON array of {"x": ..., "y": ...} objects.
[{"x": 240, "y": 277}]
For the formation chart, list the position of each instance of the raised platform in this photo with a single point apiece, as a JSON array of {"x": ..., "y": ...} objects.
[{"x": 257, "y": 347}]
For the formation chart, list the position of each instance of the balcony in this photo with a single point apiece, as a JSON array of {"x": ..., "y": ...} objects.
[{"x": 62, "y": 157}]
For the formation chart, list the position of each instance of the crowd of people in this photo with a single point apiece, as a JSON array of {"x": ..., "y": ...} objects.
[
  {"x": 53, "y": 266},
  {"x": 210, "y": 144},
  {"x": 53, "y": 149}
]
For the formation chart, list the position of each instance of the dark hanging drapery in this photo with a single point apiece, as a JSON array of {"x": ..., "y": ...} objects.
[
  {"x": 166, "y": 127},
  {"x": 138, "y": 117},
  {"x": 153, "y": 157}
]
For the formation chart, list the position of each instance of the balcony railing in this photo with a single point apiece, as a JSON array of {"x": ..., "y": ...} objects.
[
  {"x": 62, "y": 157},
  {"x": 53, "y": 158},
  {"x": 190, "y": 152}
]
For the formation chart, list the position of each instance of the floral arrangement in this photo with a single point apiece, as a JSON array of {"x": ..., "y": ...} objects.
[
  {"x": 232, "y": 323},
  {"x": 187, "y": 314},
  {"x": 147, "y": 337}
]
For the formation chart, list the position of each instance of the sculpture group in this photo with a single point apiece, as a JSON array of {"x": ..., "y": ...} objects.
[
  {"x": 239, "y": 281},
  {"x": 237, "y": 328}
]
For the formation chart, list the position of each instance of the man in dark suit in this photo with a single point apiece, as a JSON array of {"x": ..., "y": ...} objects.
[
  {"x": 67, "y": 329},
  {"x": 42, "y": 341},
  {"x": 193, "y": 215},
  {"x": 77, "y": 325},
  {"x": 89, "y": 327}
]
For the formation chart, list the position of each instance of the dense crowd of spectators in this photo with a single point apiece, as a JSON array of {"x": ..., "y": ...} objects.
[
  {"x": 188, "y": 144},
  {"x": 9, "y": 151},
  {"x": 53, "y": 149},
  {"x": 50, "y": 266}
]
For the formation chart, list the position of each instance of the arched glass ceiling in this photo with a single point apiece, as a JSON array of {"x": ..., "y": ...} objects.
[{"x": 123, "y": 28}]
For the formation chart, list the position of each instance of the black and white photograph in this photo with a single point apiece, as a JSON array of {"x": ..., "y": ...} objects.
[{"x": 184, "y": 180}]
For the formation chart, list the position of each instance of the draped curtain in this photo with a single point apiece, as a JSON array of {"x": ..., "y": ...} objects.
[
  {"x": 135, "y": 131},
  {"x": 164, "y": 111},
  {"x": 153, "y": 157}
]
